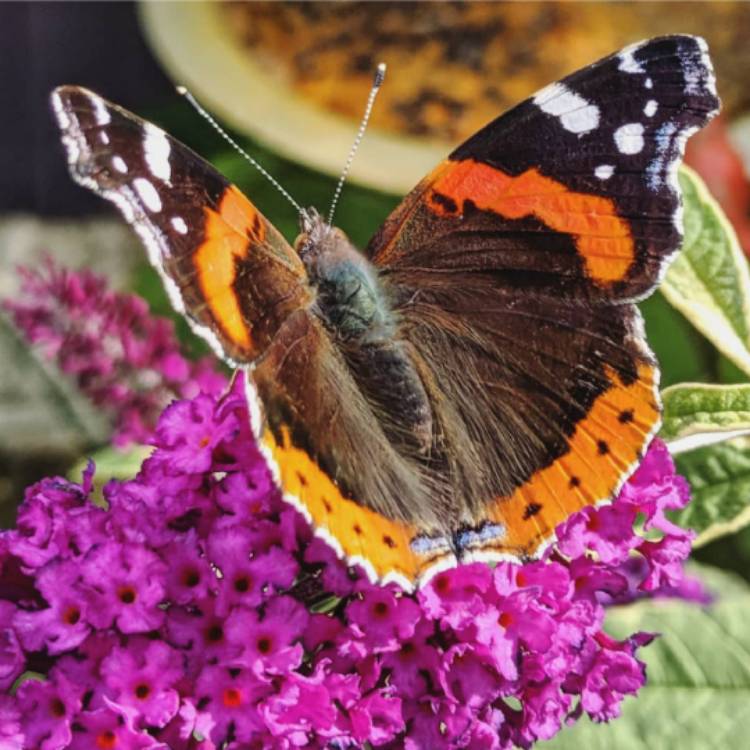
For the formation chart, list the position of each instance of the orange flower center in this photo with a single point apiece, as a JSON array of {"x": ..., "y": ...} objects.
[
  {"x": 106, "y": 740},
  {"x": 232, "y": 697}
]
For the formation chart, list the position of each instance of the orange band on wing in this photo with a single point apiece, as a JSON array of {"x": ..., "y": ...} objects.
[
  {"x": 605, "y": 447},
  {"x": 602, "y": 237},
  {"x": 358, "y": 531},
  {"x": 229, "y": 232}
]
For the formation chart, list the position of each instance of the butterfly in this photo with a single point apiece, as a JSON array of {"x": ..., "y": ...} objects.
[{"x": 479, "y": 373}]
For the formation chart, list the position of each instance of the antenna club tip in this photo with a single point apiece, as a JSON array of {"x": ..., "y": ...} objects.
[
  {"x": 181, "y": 90},
  {"x": 380, "y": 74}
]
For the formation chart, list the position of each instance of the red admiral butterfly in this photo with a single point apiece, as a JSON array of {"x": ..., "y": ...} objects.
[{"x": 479, "y": 373}]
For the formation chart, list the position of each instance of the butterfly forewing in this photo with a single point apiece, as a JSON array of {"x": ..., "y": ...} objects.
[
  {"x": 573, "y": 193},
  {"x": 224, "y": 265}
]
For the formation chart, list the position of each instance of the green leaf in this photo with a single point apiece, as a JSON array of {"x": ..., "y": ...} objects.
[
  {"x": 698, "y": 689},
  {"x": 709, "y": 281},
  {"x": 683, "y": 354},
  {"x": 111, "y": 463},
  {"x": 698, "y": 414},
  {"x": 25, "y": 677},
  {"x": 719, "y": 477},
  {"x": 726, "y": 372}
]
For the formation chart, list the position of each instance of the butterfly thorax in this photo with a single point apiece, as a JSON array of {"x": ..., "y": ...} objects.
[{"x": 348, "y": 295}]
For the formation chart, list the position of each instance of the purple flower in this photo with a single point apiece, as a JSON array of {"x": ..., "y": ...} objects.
[
  {"x": 416, "y": 663},
  {"x": 11, "y": 655},
  {"x": 271, "y": 643},
  {"x": 47, "y": 710},
  {"x": 231, "y": 697},
  {"x": 189, "y": 434},
  {"x": 302, "y": 705},
  {"x": 140, "y": 677},
  {"x": 200, "y": 632},
  {"x": 190, "y": 576},
  {"x": 197, "y": 611},
  {"x": 127, "y": 361},
  {"x": 65, "y": 623},
  {"x": 383, "y": 618},
  {"x": 613, "y": 675},
  {"x": 247, "y": 580},
  {"x": 109, "y": 729},
  {"x": 56, "y": 521},
  {"x": 125, "y": 586},
  {"x": 11, "y": 735}
]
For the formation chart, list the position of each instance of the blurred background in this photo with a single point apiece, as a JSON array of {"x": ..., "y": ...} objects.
[{"x": 289, "y": 81}]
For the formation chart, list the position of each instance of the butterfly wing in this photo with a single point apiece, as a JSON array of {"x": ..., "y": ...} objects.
[
  {"x": 333, "y": 459},
  {"x": 573, "y": 193},
  {"x": 515, "y": 264},
  {"x": 223, "y": 264},
  {"x": 245, "y": 290}
]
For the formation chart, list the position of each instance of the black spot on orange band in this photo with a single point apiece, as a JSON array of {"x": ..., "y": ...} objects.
[{"x": 531, "y": 510}]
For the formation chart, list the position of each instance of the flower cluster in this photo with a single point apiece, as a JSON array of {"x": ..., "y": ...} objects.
[
  {"x": 127, "y": 361},
  {"x": 197, "y": 611}
]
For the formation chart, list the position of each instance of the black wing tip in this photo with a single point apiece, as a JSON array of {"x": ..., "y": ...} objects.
[
  {"x": 69, "y": 91},
  {"x": 71, "y": 96},
  {"x": 695, "y": 64},
  {"x": 63, "y": 100}
]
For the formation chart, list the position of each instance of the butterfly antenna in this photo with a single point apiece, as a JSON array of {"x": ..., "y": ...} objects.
[
  {"x": 376, "y": 84},
  {"x": 202, "y": 112}
]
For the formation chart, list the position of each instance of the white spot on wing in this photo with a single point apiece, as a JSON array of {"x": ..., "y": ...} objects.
[
  {"x": 575, "y": 113},
  {"x": 156, "y": 150},
  {"x": 650, "y": 109},
  {"x": 710, "y": 81},
  {"x": 648, "y": 83},
  {"x": 147, "y": 193},
  {"x": 604, "y": 171},
  {"x": 694, "y": 73},
  {"x": 130, "y": 201},
  {"x": 59, "y": 109},
  {"x": 629, "y": 138},
  {"x": 179, "y": 225},
  {"x": 657, "y": 169},
  {"x": 101, "y": 115},
  {"x": 119, "y": 164},
  {"x": 104, "y": 138},
  {"x": 628, "y": 63}
]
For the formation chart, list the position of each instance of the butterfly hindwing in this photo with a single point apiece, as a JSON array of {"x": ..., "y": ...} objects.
[
  {"x": 224, "y": 265},
  {"x": 333, "y": 459}
]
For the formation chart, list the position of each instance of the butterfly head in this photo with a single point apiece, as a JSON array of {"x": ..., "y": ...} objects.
[
  {"x": 313, "y": 224},
  {"x": 318, "y": 239}
]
